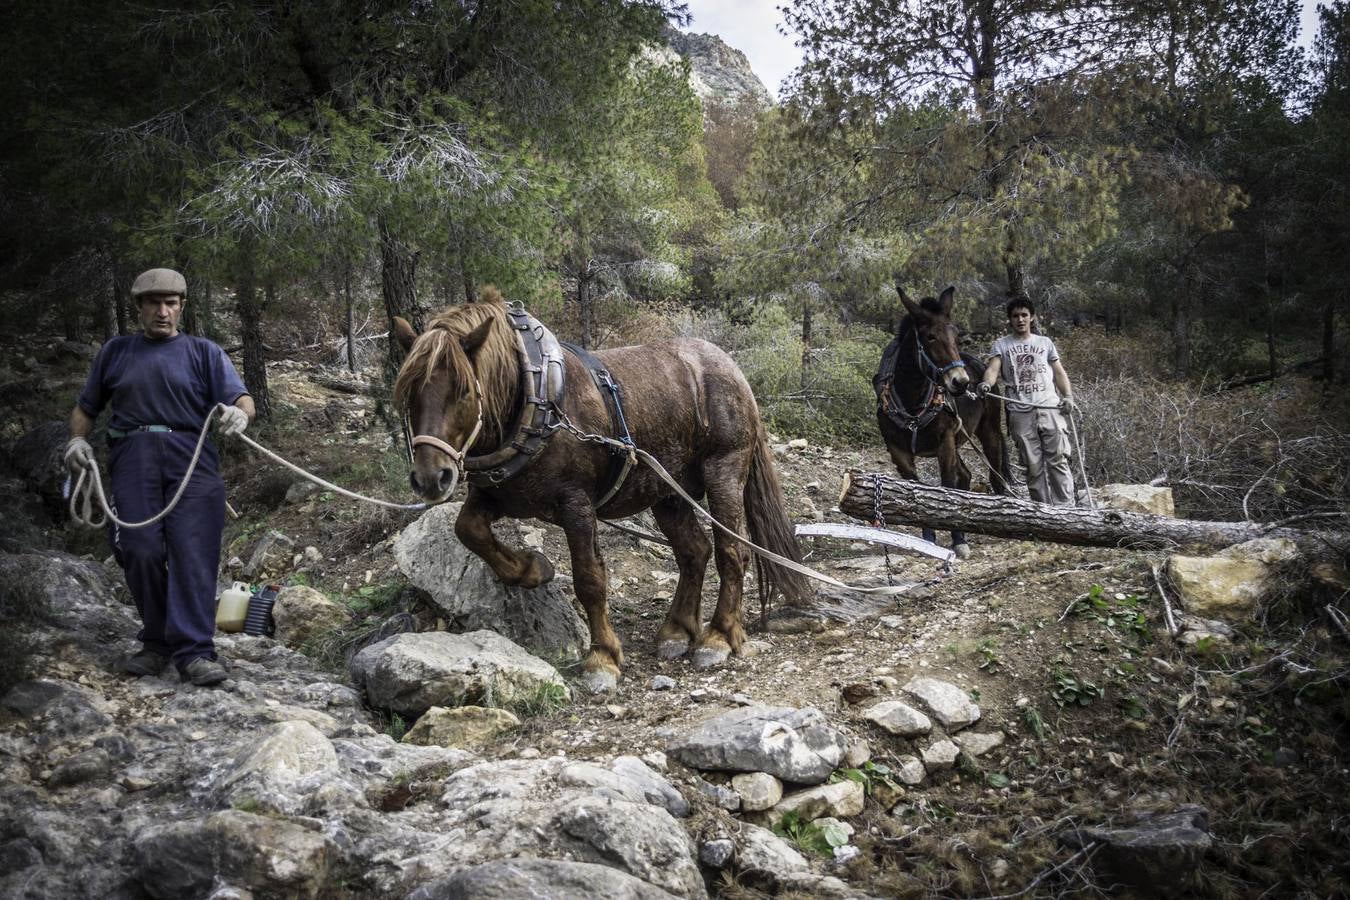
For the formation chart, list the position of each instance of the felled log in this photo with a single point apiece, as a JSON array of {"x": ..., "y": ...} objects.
[{"x": 947, "y": 509}]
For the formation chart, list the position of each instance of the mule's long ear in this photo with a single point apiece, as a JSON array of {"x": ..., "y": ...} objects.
[
  {"x": 946, "y": 300},
  {"x": 474, "y": 339},
  {"x": 404, "y": 333},
  {"x": 904, "y": 298}
]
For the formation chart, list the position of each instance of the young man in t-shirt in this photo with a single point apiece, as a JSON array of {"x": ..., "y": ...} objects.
[
  {"x": 161, "y": 386},
  {"x": 1029, "y": 368}
]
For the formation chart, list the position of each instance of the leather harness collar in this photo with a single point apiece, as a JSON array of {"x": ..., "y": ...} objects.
[{"x": 541, "y": 365}]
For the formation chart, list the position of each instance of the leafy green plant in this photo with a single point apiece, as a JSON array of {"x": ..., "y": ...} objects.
[
  {"x": 870, "y": 775},
  {"x": 987, "y": 650},
  {"x": 809, "y": 836},
  {"x": 1069, "y": 689}
]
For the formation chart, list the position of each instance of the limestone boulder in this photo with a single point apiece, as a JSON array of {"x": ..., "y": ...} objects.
[
  {"x": 795, "y": 745},
  {"x": 410, "y": 673},
  {"x": 300, "y": 613},
  {"x": 466, "y": 591},
  {"x": 275, "y": 773},
  {"x": 948, "y": 703},
  {"x": 1140, "y": 498},
  {"x": 271, "y": 857},
  {"x": 466, "y": 727},
  {"x": 897, "y": 717},
  {"x": 509, "y": 879},
  {"x": 840, "y": 799},
  {"x": 1230, "y": 585}
]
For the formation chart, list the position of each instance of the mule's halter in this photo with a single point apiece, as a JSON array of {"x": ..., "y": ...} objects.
[
  {"x": 933, "y": 372},
  {"x": 456, "y": 456}
]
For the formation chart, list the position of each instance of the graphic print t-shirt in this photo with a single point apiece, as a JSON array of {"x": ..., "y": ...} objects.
[{"x": 1025, "y": 370}]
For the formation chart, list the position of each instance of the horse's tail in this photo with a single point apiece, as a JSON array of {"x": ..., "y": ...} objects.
[{"x": 766, "y": 515}]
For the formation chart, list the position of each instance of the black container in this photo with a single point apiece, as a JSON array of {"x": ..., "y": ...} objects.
[{"x": 258, "y": 620}]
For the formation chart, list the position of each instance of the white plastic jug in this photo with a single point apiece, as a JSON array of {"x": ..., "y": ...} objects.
[{"x": 232, "y": 608}]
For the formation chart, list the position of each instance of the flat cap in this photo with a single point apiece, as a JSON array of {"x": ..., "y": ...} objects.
[{"x": 159, "y": 281}]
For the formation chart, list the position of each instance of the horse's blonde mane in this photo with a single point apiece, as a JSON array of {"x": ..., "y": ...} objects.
[{"x": 495, "y": 362}]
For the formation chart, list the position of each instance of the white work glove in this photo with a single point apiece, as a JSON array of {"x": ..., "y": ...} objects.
[
  {"x": 233, "y": 420},
  {"x": 78, "y": 456},
  {"x": 983, "y": 389},
  {"x": 1067, "y": 405}
]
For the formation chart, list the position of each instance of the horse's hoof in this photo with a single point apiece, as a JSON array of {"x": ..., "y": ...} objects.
[
  {"x": 707, "y": 657},
  {"x": 962, "y": 551},
  {"x": 672, "y": 649},
  {"x": 600, "y": 681},
  {"x": 539, "y": 572}
]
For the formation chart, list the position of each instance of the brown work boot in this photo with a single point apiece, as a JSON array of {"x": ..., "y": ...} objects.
[
  {"x": 145, "y": 662},
  {"x": 205, "y": 672}
]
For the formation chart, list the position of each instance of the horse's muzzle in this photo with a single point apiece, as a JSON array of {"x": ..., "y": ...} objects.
[
  {"x": 957, "y": 381},
  {"x": 438, "y": 489}
]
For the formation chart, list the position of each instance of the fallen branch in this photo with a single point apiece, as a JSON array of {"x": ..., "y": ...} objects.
[
  {"x": 1167, "y": 604},
  {"x": 346, "y": 387}
]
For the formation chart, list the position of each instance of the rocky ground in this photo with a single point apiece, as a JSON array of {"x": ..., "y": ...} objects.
[{"x": 1021, "y": 725}]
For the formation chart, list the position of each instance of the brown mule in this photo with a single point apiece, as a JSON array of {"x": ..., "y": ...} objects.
[
  {"x": 684, "y": 401},
  {"x": 922, "y": 376}
]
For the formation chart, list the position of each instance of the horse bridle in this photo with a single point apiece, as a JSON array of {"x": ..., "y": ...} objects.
[
  {"x": 456, "y": 456},
  {"x": 931, "y": 370}
]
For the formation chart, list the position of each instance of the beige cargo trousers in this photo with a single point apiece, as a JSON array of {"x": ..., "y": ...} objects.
[{"x": 1042, "y": 437}]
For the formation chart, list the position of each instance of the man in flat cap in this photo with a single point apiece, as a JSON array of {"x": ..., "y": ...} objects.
[{"x": 161, "y": 385}]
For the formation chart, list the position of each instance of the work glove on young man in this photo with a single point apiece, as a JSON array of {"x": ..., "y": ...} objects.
[
  {"x": 233, "y": 420},
  {"x": 78, "y": 456},
  {"x": 1068, "y": 406},
  {"x": 983, "y": 389}
]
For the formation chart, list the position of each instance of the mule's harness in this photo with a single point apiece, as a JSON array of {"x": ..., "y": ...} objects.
[{"x": 934, "y": 398}]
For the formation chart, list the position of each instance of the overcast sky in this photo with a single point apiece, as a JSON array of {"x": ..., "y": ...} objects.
[{"x": 753, "y": 27}]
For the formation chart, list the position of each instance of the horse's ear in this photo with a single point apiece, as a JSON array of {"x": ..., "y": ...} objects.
[
  {"x": 946, "y": 300},
  {"x": 404, "y": 333},
  {"x": 904, "y": 298},
  {"x": 474, "y": 339}
]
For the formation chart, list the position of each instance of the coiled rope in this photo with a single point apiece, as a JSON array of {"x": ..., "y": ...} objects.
[{"x": 89, "y": 491}]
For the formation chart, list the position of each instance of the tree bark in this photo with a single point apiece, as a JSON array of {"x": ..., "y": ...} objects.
[
  {"x": 398, "y": 284},
  {"x": 585, "y": 307},
  {"x": 1329, "y": 341},
  {"x": 806, "y": 343},
  {"x": 351, "y": 316},
  {"x": 250, "y": 320},
  {"x": 947, "y": 509}
]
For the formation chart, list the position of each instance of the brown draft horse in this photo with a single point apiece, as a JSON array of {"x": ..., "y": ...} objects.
[
  {"x": 685, "y": 402},
  {"x": 922, "y": 375}
]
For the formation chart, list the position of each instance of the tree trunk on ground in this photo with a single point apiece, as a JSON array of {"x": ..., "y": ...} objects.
[
  {"x": 250, "y": 320},
  {"x": 947, "y": 509}
]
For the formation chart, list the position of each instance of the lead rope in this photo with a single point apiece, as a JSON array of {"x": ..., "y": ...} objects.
[
  {"x": 566, "y": 425},
  {"x": 89, "y": 486},
  {"x": 1073, "y": 433}
]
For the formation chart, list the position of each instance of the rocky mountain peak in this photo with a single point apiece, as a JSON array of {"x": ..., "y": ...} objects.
[{"x": 718, "y": 71}]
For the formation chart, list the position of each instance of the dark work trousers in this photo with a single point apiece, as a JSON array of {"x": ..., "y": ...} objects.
[{"x": 171, "y": 565}]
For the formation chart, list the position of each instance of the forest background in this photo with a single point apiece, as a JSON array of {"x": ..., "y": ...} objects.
[{"x": 1166, "y": 180}]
